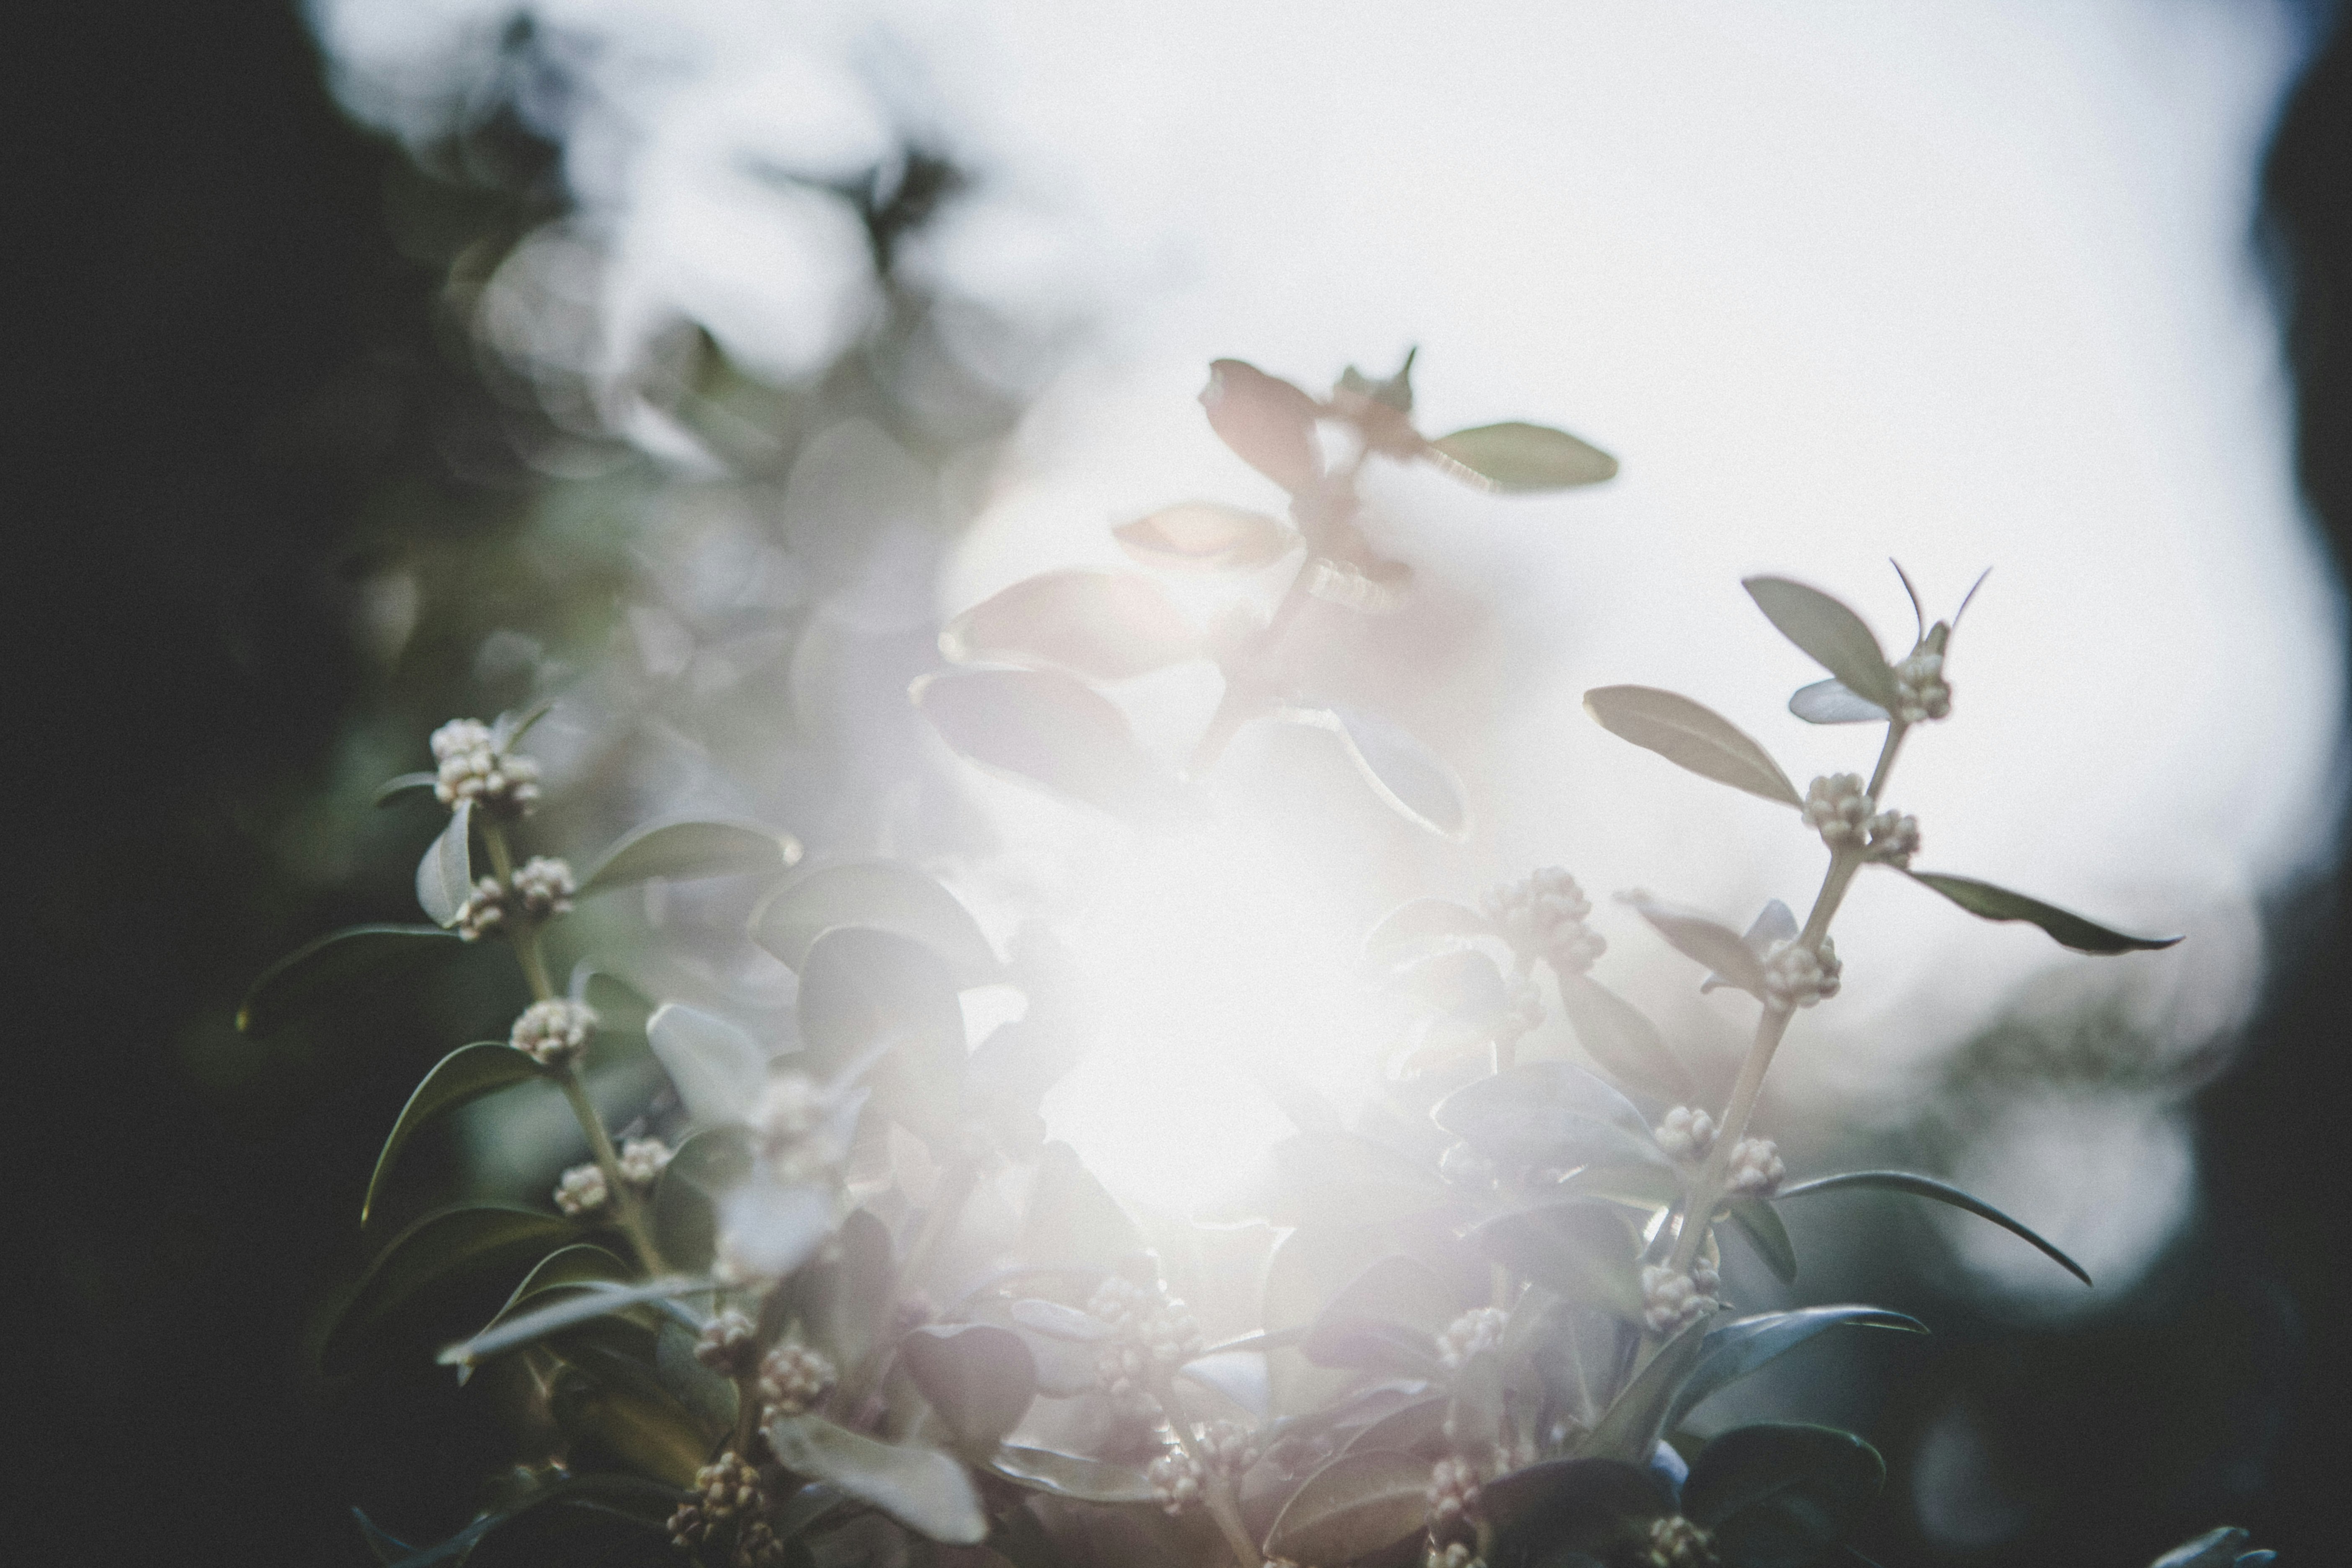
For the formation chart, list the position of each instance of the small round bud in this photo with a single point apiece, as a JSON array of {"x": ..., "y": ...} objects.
[
  {"x": 1543, "y": 917},
  {"x": 792, "y": 1123},
  {"x": 1676, "y": 1542},
  {"x": 728, "y": 1344},
  {"x": 1453, "y": 1554},
  {"x": 1920, "y": 690},
  {"x": 554, "y": 1032},
  {"x": 1178, "y": 1481},
  {"x": 1755, "y": 1171},
  {"x": 1453, "y": 1497},
  {"x": 471, "y": 767},
  {"x": 1686, "y": 1134},
  {"x": 1893, "y": 839},
  {"x": 643, "y": 1160},
  {"x": 792, "y": 1378},
  {"x": 1479, "y": 1329},
  {"x": 484, "y": 912},
  {"x": 543, "y": 886},
  {"x": 1525, "y": 1010},
  {"x": 1837, "y": 807},
  {"x": 1794, "y": 977},
  {"x": 757, "y": 1545},
  {"x": 1672, "y": 1302},
  {"x": 1226, "y": 1448},
  {"x": 581, "y": 1190}
]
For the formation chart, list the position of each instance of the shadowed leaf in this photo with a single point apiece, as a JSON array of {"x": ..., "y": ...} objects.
[
  {"x": 1069, "y": 1476},
  {"x": 1735, "y": 1349},
  {"x": 1939, "y": 1192},
  {"x": 1357, "y": 1504},
  {"x": 339, "y": 964},
  {"x": 1207, "y": 537},
  {"x": 1693, "y": 736},
  {"x": 1268, "y": 423},
  {"x": 1778, "y": 1494},
  {"x": 465, "y": 1073},
  {"x": 1105, "y": 626},
  {"x": 463, "y": 1240},
  {"x": 1627, "y": 1430},
  {"x": 1519, "y": 458},
  {"x": 879, "y": 894},
  {"x": 707, "y": 1164},
  {"x": 979, "y": 1377},
  {"x": 863, "y": 991},
  {"x": 1048, "y": 727},
  {"x": 1729, "y": 959},
  {"x": 684, "y": 851},
  {"x": 1829, "y": 702},
  {"x": 922, "y": 1489},
  {"x": 1581, "y": 1251},
  {"x": 1758, "y": 1221},
  {"x": 1387, "y": 1317},
  {"x": 1575, "y": 1503},
  {"x": 591, "y": 1300},
  {"x": 1989, "y": 902},
  {"x": 1837, "y": 639},
  {"x": 1623, "y": 1040},
  {"x": 444, "y": 877}
]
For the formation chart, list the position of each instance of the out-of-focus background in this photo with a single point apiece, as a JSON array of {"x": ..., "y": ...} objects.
[{"x": 388, "y": 362}]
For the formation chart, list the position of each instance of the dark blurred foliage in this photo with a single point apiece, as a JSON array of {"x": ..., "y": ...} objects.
[{"x": 219, "y": 355}]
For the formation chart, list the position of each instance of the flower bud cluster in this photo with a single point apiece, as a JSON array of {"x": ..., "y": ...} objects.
[
  {"x": 543, "y": 886},
  {"x": 1227, "y": 1449},
  {"x": 1755, "y": 1171},
  {"x": 1838, "y": 808},
  {"x": 1676, "y": 1542},
  {"x": 1453, "y": 1497},
  {"x": 1453, "y": 1554},
  {"x": 792, "y": 1378},
  {"x": 484, "y": 912},
  {"x": 582, "y": 1191},
  {"x": 1893, "y": 839},
  {"x": 1686, "y": 1134},
  {"x": 1794, "y": 977},
  {"x": 757, "y": 1545},
  {"x": 554, "y": 1033},
  {"x": 643, "y": 1160},
  {"x": 724, "y": 1490},
  {"x": 1543, "y": 917},
  {"x": 728, "y": 1345},
  {"x": 1178, "y": 1480},
  {"x": 1524, "y": 1013},
  {"x": 1152, "y": 1334},
  {"x": 1920, "y": 690},
  {"x": 471, "y": 767},
  {"x": 1479, "y": 1329},
  {"x": 1672, "y": 1302},
  {"x": 794, "y": 1123}
]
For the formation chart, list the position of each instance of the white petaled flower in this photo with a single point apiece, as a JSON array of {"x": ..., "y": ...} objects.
[
  {"x": 1676, "y": 1542},
  {"x": 1893, "y": 839},
  {"x": 484, "y": 912},
  {"x": 543, "y": 885},
  {"x": 1479, "y": 1329},
  {"x": 581, "y": 1190},
  {"x": 1543, "y": 917},
  {"x": 1837, "y": 807},
  {"x": 1178, "y": 1482},
  {"x": 470, "y": 766},
  {"x": 1755, "y": 1171},
  {"x": 554, "y": 1032},
  {"x": 728, "y": 1344},
  {"x": 643, "y": 1160},
  {"x": 1686, "y": 1134},
  {"x": 1920, "y": 690},
  {"x": 1453, "y": 1496},
  {"x": 1794, "y": 977},
  {"x": 1672, "y": 1301},
  {"x": 792, "y": 1378}
]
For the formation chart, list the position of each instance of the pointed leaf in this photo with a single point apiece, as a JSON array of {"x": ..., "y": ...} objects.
[
  {"x": 1778, "y": 1495},
  {"x": 865, "y": 991},
  {"x": 1357, "y": 1504},
  {"x": 1829, "y": 702},
  {"x": 616, "y": 1400},
  {"x": 1574, "y": 1503},
  {"x": 922, "y": 1489},
  {"x": 465, "y": 1073},
  {"x": 1760, "y": 1224},
  {"x": 1939, "y": 1192},
  {"x": 1413, "y": 781},
  {"x": 1268, "y": 423},
  {"x": 1623, "y": 1039},
  {"x": 1204, "y": 536},
  {"x": 445, "y": 877},
  {"x": 720, "y": 1071},
  {"x": 1581, "y": 1251},
  {"x": 1628, "y": 1429},
  {"x": 707, "y": 1165},
  {"x": 1548, "y": 1113},
  {"x": 979, "y": 1377},
  {"x": 1773, "y": 925},
  {"x": 393, "y": 789},
  {"x": 1836, "y": 637},
  {"x": 1105, "y": 626},
  {"x": 881, "y": 894},
  {"x": 1387, "y": 1317},
  {"x": 1693, "y": 736},
  {"x": 507, "y": 728},
  {"x": 1047, "y": 728},
  {"x": 2218, "y": 1548},
  {"x": 1738, "y": 1348},
  {"x": 1412, "y": 929},
  {"x": 684, "y": 851},
  {"x": 1989, "y": 902},
  {"x": 466, "y": 1239},
  {"x": 1716, "y": 945},
  {"x": 1070, "y": 1476},
  {"x": 576, "y": 1306},
  {"x": 340, "y": 964},
  {"x": 1517, "y": 459}
]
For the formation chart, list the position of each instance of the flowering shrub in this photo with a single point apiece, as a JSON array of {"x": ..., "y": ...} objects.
[{"x": 843, "y": 1303}]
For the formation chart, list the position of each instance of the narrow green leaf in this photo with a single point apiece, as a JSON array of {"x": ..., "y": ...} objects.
[
  {"x": 1778, "y": 1494},
  {"x": 1837, "y": 639},
  {"x": 340, "y": 964},
  {"x": 1624, "y": 1041},
  {"x": 507, "y": 728},
  {"x": 922, "y": 1489},
  {"x": 881, "y": 894},
  {"x": 384, "y": 1546},
  {"x": 2217, "y": 1548},
  {"x": 1728, "y": 958},
  {"x": 1738, "y": 1348},
  {"x": 1357, "y": 1504},
  {"x": 577, "y": 1306},
  {"x": 1518, "y": 459},
  {"x": 1207, "y": 537},
  {"x": 444, "y": 877},
  {"x": 1627, "y": 1430},
  {"x": 1070, "y": 1476},
  {"x": 1410, "y": 779},
  {"x": 1942, "y": 1193},
  {"x": 1104, "y": 626},
  {"x": 393, "y": 789},
  {"x": 463, "y": 1238},
  {"x": 1829, "y": 702},
  {"x": 1989, "y": 902},
  {"x": 463, "y": 1075},
  {"x": 1047, "y": 729},
  {"x": 979, "y": 1377},
  {"x": 1758, "y": 1221},
  {"x": 685, "y": 851},
  {"x": 711, "y": 1396},
  {"x": 1691, "y": 735},
  {"x": 1414, "y": 929}
]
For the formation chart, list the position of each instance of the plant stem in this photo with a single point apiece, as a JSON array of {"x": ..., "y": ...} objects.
[
  {"x": 626, "y": 1206},
  {"x": 1217, "y": 1488},
  {"x": 523, "y": 932}
]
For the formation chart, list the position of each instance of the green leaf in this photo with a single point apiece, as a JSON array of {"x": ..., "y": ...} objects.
[
  {"x": 620, "y": 1404},
  {"x": 1829, "y": 702},
  {"x": 1548, "y": 1114},
  {"x": 1417, "y": 1426},
  {"x": 864, "y": 992},
  {"x": 1517, "y": 459},
  {"x": 1691, "y": 735},
  {"x": 1386, "y": 1318},
  {"x": 711, "y": 1396},
  {"x": 1047, "y": 729},
  {"x": 1989, "y": 902},
  {"x": 1738, "y": 1347},
  {"x": 685, "y": 851},
  {"x": 1268, "y": 423},
  {"x": 2215, "y": 1549},
  {"x": 1579, "y": 1504},
  {"x": 507, "y": 728},
  {"x": 881, "y": 894},
  {"x": 1778, "y": 1494},
  {"x": 719, "y": 1071},
  {"x": 1836, "y": 637},
  {"x": 708, "y": 1163},
  {"x": 1104, "y": 626},
  {"x": 1581, "y": 1251},
  {"x": 1627, "y": 1430},
  {"x": 468, "y": 1238},
  {"x": 979, "y": 1377},
  {"x": 1069, "y": 1476},
  {"x": 1410, "y": 779},
  {"x": 922, "y": 1489},
  {"x": 1621, "y": 1040},
  {"x": 1758, "y": 1221},
  {"x": 514, "y": 1329},
  {"x": 342, "y": 964},
  {"x": 463, "y": 1075},
  {"x": 1942, "y": 1193},
  {"x": 392, "y": 789},
  {"x": 1207, "y": 537},
  {"x": 444, "y": 877},
  {"x": 1359, "y": 1504},
  {"x": 1414, "y": 929},
  {"x": 855, "y": 1312},
  {"x": 1729, "y": 960}
]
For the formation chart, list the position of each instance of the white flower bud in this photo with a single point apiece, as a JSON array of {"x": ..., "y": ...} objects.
[
  {"x": 1672, "y": 1302},
  {"x": 1453, "y": 1497},
  {"x": 728, "y": 1344},
  {"x": 1921, "y": 692},
  {"x": 796, "y": 1138},
  {"x": 554, "y": 1032},
  {"x": 471, "y": 767},
  {"x": 1453, "y": 1554},
  {"x": 1686, "y": 1134},
  {"x": 581, "y": 1190},
  {"x": 643, "y": 1160},
  {"x": 1794, "y": 977},
  {"x": 484, "y": 912},
  {"x": 1543, "y": 917},
  {"x": 792, "y": 1379},
  {"x": 544, "y": 887},
  {"x": 1178, "y": 1480},
  {"x": 1479, "y": 1329},
  {"x": 1893, "y": 839},
  {"x": 1755, "y": 1171},
  {"x": 1837, "y": 807},
  {"x": 1676, "y": 1542}
]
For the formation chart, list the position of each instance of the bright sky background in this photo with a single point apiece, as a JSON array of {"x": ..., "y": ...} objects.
[{"x": 1967, "y": 284}]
